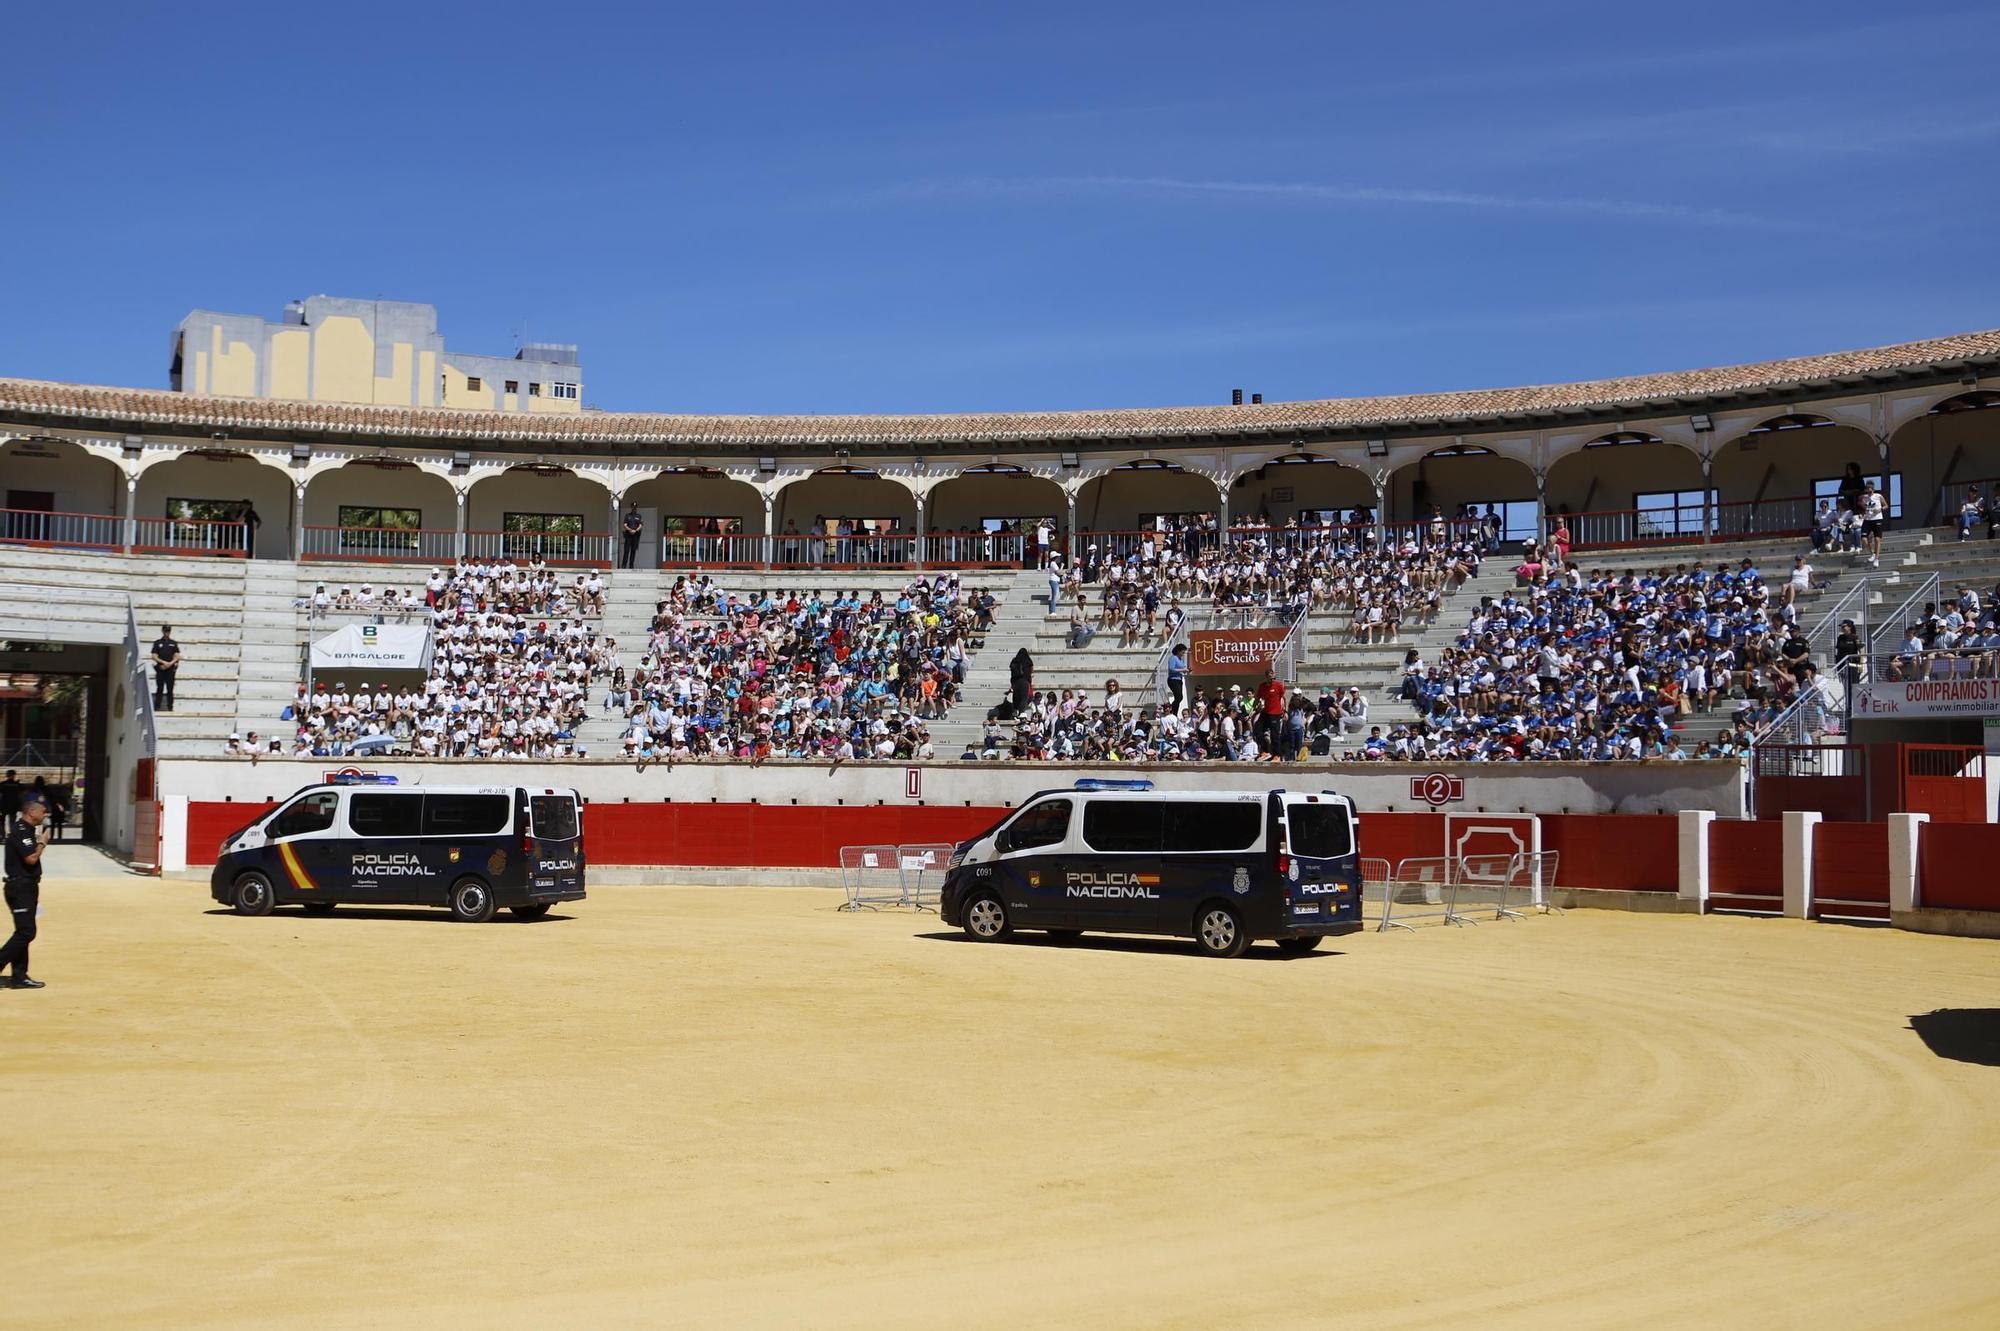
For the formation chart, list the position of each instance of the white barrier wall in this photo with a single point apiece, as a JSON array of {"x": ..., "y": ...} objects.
[{"x": 1534, "y": 788}]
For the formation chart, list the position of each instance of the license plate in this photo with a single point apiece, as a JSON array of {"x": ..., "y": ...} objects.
[
  {"x": 1306, "y": 910},
  {"x": 545, "y": 882}
]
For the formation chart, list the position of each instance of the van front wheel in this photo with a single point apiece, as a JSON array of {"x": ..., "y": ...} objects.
[
  {"x": 1218, "y": 931},
  {"x": 986, "y": 918},
  {"x": 471, "y": 901},
  {"x": 252, "y": 895}
]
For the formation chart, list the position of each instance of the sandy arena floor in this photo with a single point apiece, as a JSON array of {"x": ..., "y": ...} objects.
[{"x": 715, "y": 1107}]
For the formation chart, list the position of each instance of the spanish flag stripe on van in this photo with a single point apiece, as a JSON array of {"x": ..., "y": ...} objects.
[{"x": 300, "y": 879}]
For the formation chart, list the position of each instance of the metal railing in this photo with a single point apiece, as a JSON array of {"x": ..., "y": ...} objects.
[
  {"x": 1889, "y": 625},
  {"x": 76, "y": 531},
  {"x": 409, "y": 545},
  {"x": 580, "y": 548},
  {"x": 1670, "y": 525},
  {"x": 730, "y": 550},
  {"x": 1951, "y": 498},
  {"x": 160, "y": 535},
  {"x": 1748, "y": 519}
]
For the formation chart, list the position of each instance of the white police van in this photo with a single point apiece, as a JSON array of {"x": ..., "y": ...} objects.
[
  {"x": 1122, "y": 857},
  {"x": 364, "y": 840}
]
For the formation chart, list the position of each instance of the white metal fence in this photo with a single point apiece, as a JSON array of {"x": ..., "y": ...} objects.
[{"x": 906, "y": 877}]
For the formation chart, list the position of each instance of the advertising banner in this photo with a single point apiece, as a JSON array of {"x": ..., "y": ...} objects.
[
  {"x": 1233, "y": 651},
  {"x": 1920, "y": 698},
  {"x": 374, "y": 647}
]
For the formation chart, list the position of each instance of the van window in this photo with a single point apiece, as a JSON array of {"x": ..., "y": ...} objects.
[
  {"x": 1131, "y": 827},
  {"x": 554, "y": 817},
  {"x": 385, "y": 815},
  {"x": 1235, "y": 825},
  {"x": 1319, "y": 831},
  {"x": 1046, "y": 824},
  {"x": 466, "y": 815},
  {"x": 314, "y": 813}
]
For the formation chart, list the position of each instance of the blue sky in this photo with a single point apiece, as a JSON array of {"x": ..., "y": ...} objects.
[{"x": 874, "y": 208}]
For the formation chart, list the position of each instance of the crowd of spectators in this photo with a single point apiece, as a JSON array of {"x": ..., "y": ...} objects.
[
  {"x": 1956, "y": 639},
  {"x": 515, "y": 655},
  {"x": 798, "y": 673},
  {"x": 1379, "y": 581}
]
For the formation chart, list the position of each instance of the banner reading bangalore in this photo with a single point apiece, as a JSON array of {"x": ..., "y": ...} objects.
[
  {"x": 1928, "y": 697},
  {"x": 1232, "y": 651}
]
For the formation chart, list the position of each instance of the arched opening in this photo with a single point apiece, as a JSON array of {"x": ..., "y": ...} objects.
[
  {"x": 380, "y": 509},
  {"x": 1956, "y": 446},
  {"x": 1466, "y": 485},
  {"x": 1629, "y": 488},
  {"x": 1140, "y": 495},
  {"x": 847, "y": 517},
  {"x": 536, "y": 511},
  {"x": 58, "y": 494},
  {"x": 989, "y": 515},
  {"x": 217, "y": 500},
  {"x": 1314, "y": 490},
  {"x": 696, "y": 517},
  {"x": 1771, "y": 478}
]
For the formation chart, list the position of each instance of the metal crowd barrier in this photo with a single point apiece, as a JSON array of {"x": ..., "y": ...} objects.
[
  {"x": 907, "y": 876},
  {"x": 1452, "y": 889}
]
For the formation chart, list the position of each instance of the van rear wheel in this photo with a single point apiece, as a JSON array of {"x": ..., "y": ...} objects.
[
  {"x": 1218, "y": 931},
  {"x": 986, "y": 918},
  {"x": 252, "y": 895},
  {"x": 471, "y": 901},
  {"x": 532, "y": 911},
  {"x": 1298, "y": 946}
]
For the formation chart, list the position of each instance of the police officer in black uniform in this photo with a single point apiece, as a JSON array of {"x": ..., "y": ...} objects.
[
  {"x": 166, "y": 664},
  {"x": 25, "y": 843}
]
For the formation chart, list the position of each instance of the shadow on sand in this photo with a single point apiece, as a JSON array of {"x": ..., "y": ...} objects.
[
  {"x": 1173, "y": 947},
  {"x": 1963, "y": 1034}
]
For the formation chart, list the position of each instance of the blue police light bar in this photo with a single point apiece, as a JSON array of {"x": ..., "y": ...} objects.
[
  {"x": 363, "y": 779},
  {"x": 1107, "y": 783}
]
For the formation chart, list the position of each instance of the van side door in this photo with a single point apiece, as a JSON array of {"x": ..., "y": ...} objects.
[
  {"x": 1119, "y": 884},
  {"x": 386, "y": 860},
  {"x": 1215, "y": 848},
  {"x": 474, "y": 832},
  {"x": 1029, "y": 854}
]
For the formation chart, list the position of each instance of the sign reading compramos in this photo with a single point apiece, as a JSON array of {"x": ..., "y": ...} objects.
[
  {"x": 1928, "y": 697},
  {"x": 1232, "y": 651}
]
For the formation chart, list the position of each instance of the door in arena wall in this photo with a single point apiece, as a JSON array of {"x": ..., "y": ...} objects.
[{"x": 1484, "y": 839}]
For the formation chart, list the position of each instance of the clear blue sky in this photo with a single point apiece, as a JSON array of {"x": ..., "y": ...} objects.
[{"x": 857, "y": 208}]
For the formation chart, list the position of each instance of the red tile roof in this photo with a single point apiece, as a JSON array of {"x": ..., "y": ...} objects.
[{"x": 139, "y": 409}]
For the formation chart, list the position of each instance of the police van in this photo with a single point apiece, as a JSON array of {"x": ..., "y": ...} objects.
[
  {"x": 1121, "y": 857},
  {"x": 366, "y": 841}
]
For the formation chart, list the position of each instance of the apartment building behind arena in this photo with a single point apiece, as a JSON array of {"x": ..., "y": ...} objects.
[{"x": 380, "y": 352}]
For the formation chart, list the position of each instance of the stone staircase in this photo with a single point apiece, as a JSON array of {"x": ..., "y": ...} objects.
[{"x": 80, "y": 597}]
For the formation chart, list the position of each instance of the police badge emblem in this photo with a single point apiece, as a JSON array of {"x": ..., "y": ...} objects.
[
  {"x": 1034, "y": 878},
  {"x": 452, "y": 854},
  {"x": 1242, "y": 883}
]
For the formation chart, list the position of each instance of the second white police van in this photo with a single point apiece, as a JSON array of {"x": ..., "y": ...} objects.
[{"x": 1121, "y": 857}]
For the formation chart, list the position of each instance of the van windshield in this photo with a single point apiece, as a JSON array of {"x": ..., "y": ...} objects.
[
  {"x": 553, "y": 817},
  {"x": 1319, "y": 831}
]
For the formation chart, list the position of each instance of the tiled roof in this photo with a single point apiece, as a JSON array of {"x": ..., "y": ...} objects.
[{"x": 139, "y": 409}]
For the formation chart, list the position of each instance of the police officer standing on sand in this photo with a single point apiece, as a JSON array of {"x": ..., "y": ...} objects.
[{"x": 26, "y": 840}]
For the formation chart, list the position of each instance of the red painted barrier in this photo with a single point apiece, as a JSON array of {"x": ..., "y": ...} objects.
[
  {"x": 1851, "y": 870},
  {"x": 1957, "y": 862},
  {"x": 1632, "y": 852},
  {"x": 1746, "y": 865},
  {"x": 1621, "y": 852},
  {"x": 211, "y": 820}
]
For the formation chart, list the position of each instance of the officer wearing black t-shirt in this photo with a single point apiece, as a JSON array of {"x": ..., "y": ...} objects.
[
  {"x": 166, "y": 664},
  {"x": 25, "y": 842}
]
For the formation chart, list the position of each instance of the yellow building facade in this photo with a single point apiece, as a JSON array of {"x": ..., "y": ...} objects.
[{"x": 381, "y": 352}]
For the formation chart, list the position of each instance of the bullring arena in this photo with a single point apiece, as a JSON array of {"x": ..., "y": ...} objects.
[{"x": 1734, "y": 1063}]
